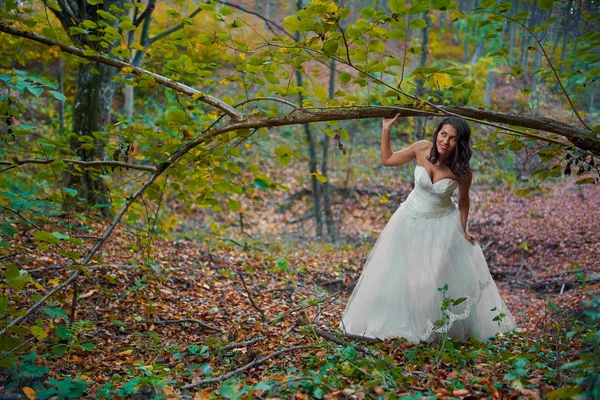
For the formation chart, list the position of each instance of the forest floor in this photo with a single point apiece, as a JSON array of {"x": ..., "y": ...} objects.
[{"x": 266, "y": 303}]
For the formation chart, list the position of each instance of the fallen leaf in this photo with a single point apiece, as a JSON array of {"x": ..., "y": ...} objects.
[{"x": 29, "y": 392}]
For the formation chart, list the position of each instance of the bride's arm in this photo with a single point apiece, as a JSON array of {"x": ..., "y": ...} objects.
[
  {"x": 391, "y": 158},
  {"x": 464, "y": 202}
]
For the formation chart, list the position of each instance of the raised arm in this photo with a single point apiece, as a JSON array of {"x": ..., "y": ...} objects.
[
  {"x": 464, "y": 203},
  {"x": 391, "y": 158}
]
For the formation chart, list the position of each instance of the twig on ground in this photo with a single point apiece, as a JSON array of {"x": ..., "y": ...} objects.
[
  {"x": 257, "y": 361},
  {"x": 193, "y": 321},
  {"x": 256, "y": 307},
  {"x": 332, "y": 296},
  {"x": 336, "y": 339},
  {"x": 243, "y": 344}
]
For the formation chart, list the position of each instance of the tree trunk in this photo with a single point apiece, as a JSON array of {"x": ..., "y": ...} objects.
[
  {"x": 93, "y": 106},
  {"x": 512, "y": 31}
]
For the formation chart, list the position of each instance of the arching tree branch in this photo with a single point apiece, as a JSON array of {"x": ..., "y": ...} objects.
[
  {"x": 164, "y": 81},
  {"x": 84, "y": 164},
  {"x": 580, "y": 137}
]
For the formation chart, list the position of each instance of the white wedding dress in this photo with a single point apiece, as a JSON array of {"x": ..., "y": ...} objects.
[{"x": 422, "y": 249}]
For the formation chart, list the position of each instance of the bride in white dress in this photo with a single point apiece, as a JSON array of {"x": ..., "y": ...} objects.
[{"x": 425, "y": 253}]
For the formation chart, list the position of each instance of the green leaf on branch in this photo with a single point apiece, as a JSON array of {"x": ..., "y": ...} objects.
[
  {"x": 38, "y": 332},
  {"x": 585, "y": 181},
  {"x": 345, "y": 77},
  {"x": 545, "y": 4},
  {"x": 397, "y": 5},
  {"x": 418, "y": 23},
  {"x": 234, "y": 205},
  {"x": 16, "y": 278},
  {"x": 47, "y": 237},
  {"x": 57, "y": 95},
  {"x": 321, "y": 93}
]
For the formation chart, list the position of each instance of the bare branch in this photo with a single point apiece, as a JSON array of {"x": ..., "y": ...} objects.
[
  {"x": 173, "y": 29},
  {"x": 289, "y": 103},
  {"x": 193, "y": 321},
  {"x": 30, "y": 222},
  {"x": 254, "y": 363},
  {"x": 146, "y": 14},
  {"x": 256, "y": 307},
  {"x": 85, "y": 164},
  {"x": 245, "y": 343},
  {"x": 162, "y": 80}
]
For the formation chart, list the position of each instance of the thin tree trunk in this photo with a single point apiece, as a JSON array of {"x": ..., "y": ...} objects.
[
  {"x": 419, "y": 124},
  {"x": 61, "y": 104},
  {"x": 329, "y": 221},
  {"x": 312, "y": 156}
]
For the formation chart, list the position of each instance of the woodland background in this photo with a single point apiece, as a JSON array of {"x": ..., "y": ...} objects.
[{"x": 190, "y": 189}]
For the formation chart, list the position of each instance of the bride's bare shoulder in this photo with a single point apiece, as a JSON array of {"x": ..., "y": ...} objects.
[{"x": 422, "y": 146}]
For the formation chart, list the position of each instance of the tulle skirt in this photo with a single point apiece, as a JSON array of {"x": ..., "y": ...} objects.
[{"x": 424, "y": 279}]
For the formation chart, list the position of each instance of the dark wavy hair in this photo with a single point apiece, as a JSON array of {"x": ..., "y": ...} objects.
[{"x": 458, "y": 162}]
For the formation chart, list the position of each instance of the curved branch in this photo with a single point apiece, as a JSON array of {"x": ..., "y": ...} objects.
[
  {"x": 289, "y": 103},
  {"x": 85, "y": 164},
  {"x": 162, "y": 80}
]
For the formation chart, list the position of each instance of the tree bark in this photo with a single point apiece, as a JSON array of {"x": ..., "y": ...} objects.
[{"x": 93, "y": 106}]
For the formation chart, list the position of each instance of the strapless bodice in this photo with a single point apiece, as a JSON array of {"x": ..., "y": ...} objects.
[{"x": 428, "y": 199}]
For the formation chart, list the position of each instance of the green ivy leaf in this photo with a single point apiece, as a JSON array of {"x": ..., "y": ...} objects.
[{"x": 95, "y": 2}]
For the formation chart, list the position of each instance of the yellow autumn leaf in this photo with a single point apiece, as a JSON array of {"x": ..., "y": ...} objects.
[
  {"x": 440, "y": 80},
  {"x": 384, "y": 199},
  {"x": 38, "y": 332},
  {"x": 242, "y": 56},
  {"x": 29, "y": 392},
  {"x": 320, "y": 177}
]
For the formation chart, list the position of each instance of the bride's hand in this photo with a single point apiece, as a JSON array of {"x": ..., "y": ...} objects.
[
  {"x": 388, "y": 122},
  {"x": 472, "y": 239}
]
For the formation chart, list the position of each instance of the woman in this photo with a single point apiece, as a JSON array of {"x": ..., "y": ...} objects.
[{"x": 425, "y": 253}]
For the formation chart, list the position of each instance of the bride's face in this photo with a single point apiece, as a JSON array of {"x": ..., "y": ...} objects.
[{"x": 446, "y": 140}]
